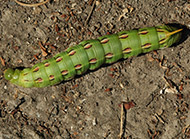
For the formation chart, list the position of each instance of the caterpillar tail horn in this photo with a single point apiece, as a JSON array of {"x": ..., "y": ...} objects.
[{"x": 173, "y": 32}]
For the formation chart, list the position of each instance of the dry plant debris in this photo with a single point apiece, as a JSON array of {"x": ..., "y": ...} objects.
[{"x": 31, "y": 5}]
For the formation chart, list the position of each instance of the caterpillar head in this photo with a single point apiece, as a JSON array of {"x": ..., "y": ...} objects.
[
  {"x": 20, "y": 77},
  {"x": 12, "y": 75}
]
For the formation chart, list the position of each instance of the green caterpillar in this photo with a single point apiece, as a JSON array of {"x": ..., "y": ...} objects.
[{"x": 91, "y": 54}]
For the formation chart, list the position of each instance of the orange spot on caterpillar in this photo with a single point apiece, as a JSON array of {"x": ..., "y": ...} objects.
[
  {"x": 46, "y": 64},
  {"x": 79, "y": 66},
  {"x": 87, "y": 46},
  {"x": 109, "y": 55},
  {"x": 39, "y": 80},
  {"x": 123, "y": 36},
  {"x": 146, "y": 46},
  {"x": 51, "y": 77},
  {"x": 72, "y": 52},
  {"x": 127, "y": 50},
  {"x": 144, "y": 32},
  {"x": 105, "y": 40},
  {"x": 36, "y": 69},
  {"x": 59, "y": 59},
  {"x": 93, "y": 61},
  {"x": 64, "y": 72}
]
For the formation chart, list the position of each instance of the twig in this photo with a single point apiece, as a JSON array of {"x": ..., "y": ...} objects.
[
  {"x": 121, "y": 122},
  {"x": 31, "y": 5},
  {"x": 2, "y": 61},
  {"x": 172, "y": 88},
  {"x": 169, "y": 83},
  {"x": 44, "y": 53},
  {"x": 87, "y": 20}
]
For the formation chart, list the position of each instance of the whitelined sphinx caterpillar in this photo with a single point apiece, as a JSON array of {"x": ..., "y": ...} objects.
[{"x": 91, "y": 54}]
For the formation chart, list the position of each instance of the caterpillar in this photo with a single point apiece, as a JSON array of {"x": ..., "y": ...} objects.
[{"x": 91, "y": 54}]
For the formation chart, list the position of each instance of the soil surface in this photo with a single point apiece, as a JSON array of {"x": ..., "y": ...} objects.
[{"x": 88, "y": 106}]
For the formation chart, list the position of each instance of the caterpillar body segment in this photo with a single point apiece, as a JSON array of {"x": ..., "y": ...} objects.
[{"x": 91, "y": 54}]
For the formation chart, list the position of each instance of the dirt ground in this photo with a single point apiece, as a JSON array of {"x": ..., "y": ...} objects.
[{"x": 87, "y": 107}]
